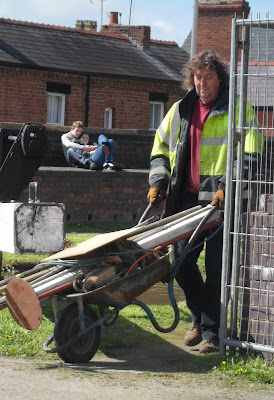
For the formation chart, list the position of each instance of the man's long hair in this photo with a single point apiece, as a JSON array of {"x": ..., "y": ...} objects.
[{"x": 205, "y": 60}]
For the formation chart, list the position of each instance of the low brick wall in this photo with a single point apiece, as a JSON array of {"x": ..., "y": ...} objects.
[
  {"x": 257, "y": 275},
  {"x": 107, "y": 196}
]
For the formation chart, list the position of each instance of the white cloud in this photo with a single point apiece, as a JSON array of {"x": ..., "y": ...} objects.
[{"x": 163, "y": 25}]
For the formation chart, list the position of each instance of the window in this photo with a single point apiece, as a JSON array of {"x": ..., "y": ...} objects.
[
  {"x": 156, "y": 114},
  {"x": 108, "y": 118},
  {"x": 56, "y": 108}
]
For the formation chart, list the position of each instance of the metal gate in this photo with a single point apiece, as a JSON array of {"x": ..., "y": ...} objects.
[{"x": 247, "y": 298}]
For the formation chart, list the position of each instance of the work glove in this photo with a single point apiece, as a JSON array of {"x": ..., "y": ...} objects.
[
  {"x": 156, "y": 195},
  {"x": 219, "y": 199}
]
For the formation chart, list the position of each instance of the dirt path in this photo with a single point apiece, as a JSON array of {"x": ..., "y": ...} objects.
[{"x": 160, "y": 371}]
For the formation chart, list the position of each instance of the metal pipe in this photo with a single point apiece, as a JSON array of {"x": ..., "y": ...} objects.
[
  {"x": 193, "y": 48},
  {"x": 248, "y": 345},
  {"x": 174, "y": 230},
  {"x": 53, "y": 271},
  {"x": 239, "y": 179},
  {"x": 168, "y": 225},
  {"x": 28, "y": 278},
  {"x": 55, "y": 283},
  {"x": 259, "y": 23},
  {"x": 87, "y": 101},
  {"x": 229, "y": 190},
  {"x": 40, "y": 267}
]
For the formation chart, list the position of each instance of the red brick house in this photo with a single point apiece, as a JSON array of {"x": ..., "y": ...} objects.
[
  {"x": 116, "y": 78},
  {"x": 214, "y": 25},
  {"x": 90, "y": 75}
]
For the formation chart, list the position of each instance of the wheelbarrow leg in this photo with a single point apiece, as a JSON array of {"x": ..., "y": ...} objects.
[
  {"x": 55, "y": 307},
  {"x": 80, "y": 306}
]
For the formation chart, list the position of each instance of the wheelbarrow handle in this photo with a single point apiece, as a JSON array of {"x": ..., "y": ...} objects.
[
  {"x": 145, "y": 214},
  {"x": 191, "y": 241}
]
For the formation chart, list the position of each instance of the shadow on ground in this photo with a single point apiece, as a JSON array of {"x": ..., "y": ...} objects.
[{"x": 140, "y": 350}]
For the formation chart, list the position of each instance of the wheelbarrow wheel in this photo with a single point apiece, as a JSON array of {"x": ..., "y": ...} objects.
[{"x": 81, "y": 349}]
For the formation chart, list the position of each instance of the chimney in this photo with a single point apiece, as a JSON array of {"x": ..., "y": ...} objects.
[
  {"x": 113, "y": 17},
  {"x": 214, "y": 24},
  {"x": 138, "y": 35},
  {"x": 87, "y": 25}
]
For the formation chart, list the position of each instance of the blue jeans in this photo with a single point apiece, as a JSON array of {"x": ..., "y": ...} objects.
[
  {"x": 77, "y": 159},
  {"x": 99, "y": 156}
]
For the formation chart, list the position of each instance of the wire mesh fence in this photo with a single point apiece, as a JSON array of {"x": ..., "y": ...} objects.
[{"x": 247, "y": 300}]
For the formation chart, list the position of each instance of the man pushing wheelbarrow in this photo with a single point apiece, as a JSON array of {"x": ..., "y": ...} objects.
[{"x": 188, "y": 167}]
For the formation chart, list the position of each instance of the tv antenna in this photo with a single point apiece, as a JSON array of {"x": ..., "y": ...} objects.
[{"x": 102, "y": 6}]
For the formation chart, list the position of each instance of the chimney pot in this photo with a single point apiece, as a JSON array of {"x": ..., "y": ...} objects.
[{"x": 113, "y": 17}]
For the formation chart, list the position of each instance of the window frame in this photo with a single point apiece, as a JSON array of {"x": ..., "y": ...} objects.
[
  {"x": 62, "y": 112},
  {"x": 109, "y": 119},
  {"x": 162, "y": 105}
]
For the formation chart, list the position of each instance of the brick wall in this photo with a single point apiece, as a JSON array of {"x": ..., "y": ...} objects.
[
  {"x": 257, "y": 275},
  {"x": 23, "y": 95},
  {"x": 140, "y": 33},
  {"x": 99, "y": 196},
  {"x": 214, "y": 24},
  {"x": 128, "y": 99},
  {"x": 23, "y": 98}
]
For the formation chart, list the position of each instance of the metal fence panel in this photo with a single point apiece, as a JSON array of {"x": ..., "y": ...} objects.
[{"x": 247, "y": 299}]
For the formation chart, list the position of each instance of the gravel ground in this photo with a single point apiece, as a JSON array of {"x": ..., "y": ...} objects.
[{"x": 147, "y": 372}]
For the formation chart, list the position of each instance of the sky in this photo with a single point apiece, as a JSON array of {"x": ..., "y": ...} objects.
[{"x": 169, "y": 20}]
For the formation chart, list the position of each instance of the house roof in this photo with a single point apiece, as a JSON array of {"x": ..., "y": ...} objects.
[
  {"x": 187, "y": 43},
  {"x": 170, "y": 53},
  {"x": 261, "y": 44},
  {"x": 85, "y": 52}
]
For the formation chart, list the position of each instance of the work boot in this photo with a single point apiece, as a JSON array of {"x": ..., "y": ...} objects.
[
  {"x": 92, "y": 165},
  {"x": 209, "y": 346},
  {"x": 193, "y": 335}
]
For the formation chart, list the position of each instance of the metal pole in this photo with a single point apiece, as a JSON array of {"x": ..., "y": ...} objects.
[
  {"x": 102, "y": 5},
  {"x": 239, "y": 177},
  {"x": 130, "y": 12},
  {"x": 193, "y": 48},
  {"x": 226, "y": 260}
]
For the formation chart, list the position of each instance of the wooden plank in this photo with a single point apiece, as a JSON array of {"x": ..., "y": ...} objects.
[
  {"x": 23, "y": 304},
  {"x": 85, "y": 249}
]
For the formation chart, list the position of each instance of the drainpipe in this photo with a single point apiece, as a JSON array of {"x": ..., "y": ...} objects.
[{"x": 87, "y": 102}]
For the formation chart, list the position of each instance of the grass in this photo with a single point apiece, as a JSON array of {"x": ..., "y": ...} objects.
[
  {"x": 252, "y": 368},
  {"x": 132, "y": 328}
]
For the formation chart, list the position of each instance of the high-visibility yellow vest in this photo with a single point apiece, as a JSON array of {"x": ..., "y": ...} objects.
[{"x": 213, "y": 146}]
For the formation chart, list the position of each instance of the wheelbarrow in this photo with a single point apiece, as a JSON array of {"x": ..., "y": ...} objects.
[{"x": 77, "y": 331}]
